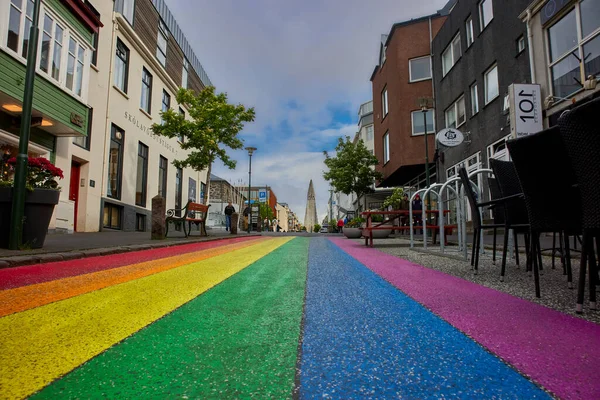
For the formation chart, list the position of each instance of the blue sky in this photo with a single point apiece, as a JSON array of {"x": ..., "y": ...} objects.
[{"x": 304, "y": 66}]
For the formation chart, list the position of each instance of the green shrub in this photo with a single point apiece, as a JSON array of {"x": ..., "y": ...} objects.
[{"x": 316, "y": 228}]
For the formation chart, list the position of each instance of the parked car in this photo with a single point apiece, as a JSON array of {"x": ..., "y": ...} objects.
[{"x": 324, "y": 229}]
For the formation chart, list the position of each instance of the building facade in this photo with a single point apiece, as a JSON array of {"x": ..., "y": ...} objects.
[
  {"x": 402, "y": 77},
  {"x": 138, "y": 61},
  {"x": 63, "y": 85},
  {"x": 221, "y": 193},
  {"x": 564, "y": 52},
  {"x": 478, "y": 53}
]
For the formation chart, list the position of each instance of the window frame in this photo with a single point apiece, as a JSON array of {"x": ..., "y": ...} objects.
[
  {"x": 485, "y": 84},
  {"x": 386, "y": 147},
  {"x": 119, "y": 7},
  {"x": 147, "y": 83},
  {"x": 469, "y": 30},
  {"x": 410, "y": 77},
  {"x": 384, "y": 102},
  {"x": 121, "y": 143},
  {"x": 111, "y": 206},
  {"x": 163, "y": 171},
  {"x": 180, "y": 137},
  {"x": 454, "y": 108},
  {"x": 185, "y": 73},
  {"x": 126, "y": 53},
  {"x": 450, "y": 48},
  {"x": 521, "y": 39},
  {"x": 412, "y": 122},
  {"x": 163, "y": 32},
  {"x": 482, "y": 24},
  {"x": 144, "y": 193},
  {"x": 164, "y": 106},
  {"x": 87, "y": 142},
  {"x": 474, "y": 99},
  {"x": 578, "y": 48}
]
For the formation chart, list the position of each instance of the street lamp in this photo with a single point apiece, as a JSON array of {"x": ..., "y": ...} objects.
[
  {"x": 250, "y": 151},
  {"x": 425, "y": 104}
]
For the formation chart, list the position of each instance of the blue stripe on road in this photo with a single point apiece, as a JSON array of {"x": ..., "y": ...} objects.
[{"x": 363, "y": 338}]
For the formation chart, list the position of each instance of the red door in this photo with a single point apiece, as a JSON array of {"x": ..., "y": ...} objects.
[{"x": 74, "y": 188}]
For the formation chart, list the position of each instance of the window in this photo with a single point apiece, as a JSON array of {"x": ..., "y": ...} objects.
[
  {"x": 178, "y": 188},
  {"x": 383, "y": 56},
  {"x": 420, "y": 69},
  {"x": 115, "y": 162},
  {"x": 570, "y": 40},
  {"x": 125, "y": 7},
  {"x": 203, "y": 191},
  {"x": 121, "y": 66},
  {"x": 180, "y": 137},
  {"x": 184, "y": 73},
  {"x": 163, "y": 37},
  {"x": 140, "y": 222},
  {"x": 84, "y": 141},
  {"x": 369, "y": 133},
  {"x": 162, "y": 177},
  {"x": 146, "y": 100},
  {"x": 384, "y": 102},
  {"x": 491, "y": 84},
  {"x": 95, "y": 35},
  {"x": 166, "y": 104},
  {"x": 141, "y": 181},
  {"x": 417, "y": 122},
  {"x": 520, "y": 44},
  {"x": 456, "y": 115},
  {"x": 451, "y": 55},
  {"x": 386, "y": 147},
  {"x": 469, "y": 31},
  {"x": 486, "y": 13},
  {"x": 75, "y": 67},
  {"x": 474, "y": 100},
  {"x": 112, "y": 216},
  {"x": 17, "y": 39}
]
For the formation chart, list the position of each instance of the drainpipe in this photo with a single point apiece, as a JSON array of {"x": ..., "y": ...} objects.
[{"x": 529, "y": 42}]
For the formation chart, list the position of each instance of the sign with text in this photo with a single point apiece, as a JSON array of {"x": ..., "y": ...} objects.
[
  {"x": 525, "y": 109},
  {"x": 450, "y": 137},
  {"x": 262, "y": 195}
]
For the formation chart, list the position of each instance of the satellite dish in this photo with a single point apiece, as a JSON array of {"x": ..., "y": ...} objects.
[{"x": 450, "y": 137}]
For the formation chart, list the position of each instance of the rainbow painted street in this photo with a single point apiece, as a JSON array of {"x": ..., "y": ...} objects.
[{"x": 281, "y": 317}]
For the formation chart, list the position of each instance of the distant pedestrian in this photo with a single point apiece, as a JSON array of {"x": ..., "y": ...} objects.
[
  {"x": 246, "y": 213},
  {"x": 266, "y": 225},
  {"x": 417, "y": 206},
  {"x": 229, "y": 210},
  {"x": 340, "y": 225},
  {"x": 274, "y": 224}
]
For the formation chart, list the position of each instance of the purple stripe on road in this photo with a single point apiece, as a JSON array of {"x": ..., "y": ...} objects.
[{"x": 560, "y": 352}]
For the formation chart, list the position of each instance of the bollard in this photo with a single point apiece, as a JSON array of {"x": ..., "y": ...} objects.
[
  {"x": 234, "y": 223},
  {"x": 159, "y": 210}
]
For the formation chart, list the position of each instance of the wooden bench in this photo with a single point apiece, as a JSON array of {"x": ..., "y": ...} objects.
[
  {"x": 448, "y": 229},
  {"x": 192, "y": 213}
]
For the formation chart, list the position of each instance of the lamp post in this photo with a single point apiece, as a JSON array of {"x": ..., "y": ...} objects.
[
  {"x": 250, "y": 151},
  {"x": 18, "y": 198},
  {"x": 424, "y": 103}
]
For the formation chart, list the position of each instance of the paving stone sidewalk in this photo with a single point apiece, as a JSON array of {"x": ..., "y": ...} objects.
[{"x": 59, "y": 247}]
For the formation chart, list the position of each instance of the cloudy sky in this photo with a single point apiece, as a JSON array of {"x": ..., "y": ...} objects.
[{"x": 304, "y": 66}]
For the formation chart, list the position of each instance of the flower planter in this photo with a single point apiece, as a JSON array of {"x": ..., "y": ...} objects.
[
  {"x": 39, "y": 206},
  {"x": 352, "y": 233}
]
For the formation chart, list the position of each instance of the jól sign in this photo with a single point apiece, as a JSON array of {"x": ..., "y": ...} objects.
[
  {"x": 450, "y": 137},
  {"x": 525, "y": 109}
]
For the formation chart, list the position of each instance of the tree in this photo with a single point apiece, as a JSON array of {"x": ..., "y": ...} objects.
[
  {"x": 213, "y": 126},
  {"x": 350, "y": 170}
]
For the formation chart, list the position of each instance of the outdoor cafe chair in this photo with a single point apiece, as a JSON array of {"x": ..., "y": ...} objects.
[
  {"x": 548, "y": 183},
  {"x": 515, "y": 212},
  {"x": 580, "y": 131}
]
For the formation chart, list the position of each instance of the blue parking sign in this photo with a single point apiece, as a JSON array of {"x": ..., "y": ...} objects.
[{"x": 262, "y": 195}]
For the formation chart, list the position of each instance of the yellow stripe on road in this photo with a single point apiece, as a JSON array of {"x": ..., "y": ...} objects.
[{"x": 42, "y": 344}]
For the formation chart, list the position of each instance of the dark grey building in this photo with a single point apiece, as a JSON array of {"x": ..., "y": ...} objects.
[{"x": 480, "y": 50}]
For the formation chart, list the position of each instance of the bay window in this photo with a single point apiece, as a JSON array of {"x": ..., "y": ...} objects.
[{"x": 574, "y": 37}]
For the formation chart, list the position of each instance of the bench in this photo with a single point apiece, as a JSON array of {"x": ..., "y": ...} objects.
[
  {"x": 192, "y": 213},
  {"x": 448, "y": 229}
]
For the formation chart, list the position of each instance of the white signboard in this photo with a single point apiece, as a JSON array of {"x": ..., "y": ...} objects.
[
  {"x": 525, "y": 109},
  {"x": 262, "y": 195},
  {"x": 450, "y": 137}
]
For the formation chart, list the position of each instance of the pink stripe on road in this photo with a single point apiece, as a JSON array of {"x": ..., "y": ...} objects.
[
  {"x": 31, "y": 274},
  {"x": 560, "y": 352}
]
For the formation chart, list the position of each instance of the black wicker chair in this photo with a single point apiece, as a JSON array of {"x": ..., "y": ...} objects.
[
  {"x": 580, "y": 130},
  {"x": 497, "y": 209},
  {"x": 547, "y": 179},
  {"x": 515, "y": 212}
]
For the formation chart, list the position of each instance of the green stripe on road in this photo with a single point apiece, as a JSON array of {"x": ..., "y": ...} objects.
[{"x": 238, "y": 340}]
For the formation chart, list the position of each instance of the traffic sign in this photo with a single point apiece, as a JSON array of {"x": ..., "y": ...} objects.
[{"x": 262, "y": 195}]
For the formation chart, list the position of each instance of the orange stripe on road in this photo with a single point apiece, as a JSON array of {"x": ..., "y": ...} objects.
[{"x": 28, "y": 297}]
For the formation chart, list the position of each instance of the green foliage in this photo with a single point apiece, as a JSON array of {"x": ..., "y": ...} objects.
[
  {"x": 316, "y": 228},
  {"x": 214, "y": 122},
  {"x": 355, "y": 222},
  {"x": 350, "y": 170},
  {"x": 395, "y": 199},
  {"x": 265, "y": 211},
  {"x": 332, "y": 226},
  {"x": 376, "y": 218}
]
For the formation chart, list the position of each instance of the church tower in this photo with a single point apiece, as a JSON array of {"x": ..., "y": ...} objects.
[{"x": 310, "y": 218}]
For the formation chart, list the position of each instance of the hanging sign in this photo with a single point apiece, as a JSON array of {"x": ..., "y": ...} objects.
[
  {"x": 450, "y": 137},
  {"x": 526, "y": 116}
]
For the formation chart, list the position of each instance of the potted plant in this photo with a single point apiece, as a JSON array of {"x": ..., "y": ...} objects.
[
  {"x": 42, "y": 196},
  {"x": 353, "y": 229},
  {"x": 377, "y": 219}
]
